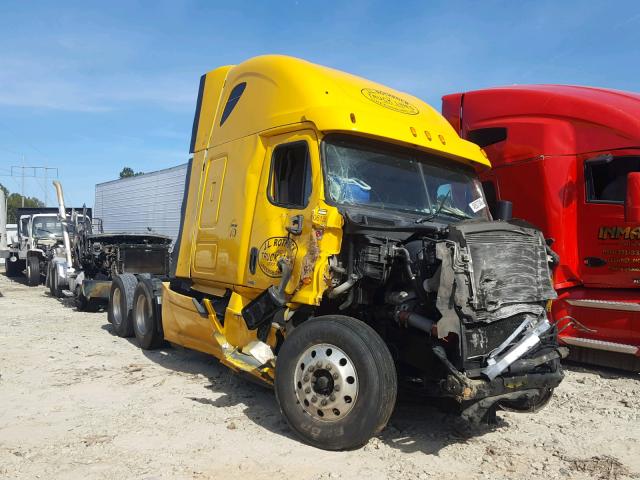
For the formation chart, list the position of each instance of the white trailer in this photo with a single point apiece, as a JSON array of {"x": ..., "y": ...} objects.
[{"x": 148, "y": 203}]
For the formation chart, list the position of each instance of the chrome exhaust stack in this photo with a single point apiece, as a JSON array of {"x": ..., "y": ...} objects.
[{"x": 62, "y": 213}]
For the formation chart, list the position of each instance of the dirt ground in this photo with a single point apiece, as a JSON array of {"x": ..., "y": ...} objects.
[{"x": 77, "y": 402}]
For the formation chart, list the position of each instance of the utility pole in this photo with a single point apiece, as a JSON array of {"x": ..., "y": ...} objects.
[
  {"x": 33, "y": 173},
  {"x": 22, "y": 193}
]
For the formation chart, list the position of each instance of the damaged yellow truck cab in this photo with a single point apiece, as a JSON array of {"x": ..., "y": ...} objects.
[{"x": 319, "y": 214}]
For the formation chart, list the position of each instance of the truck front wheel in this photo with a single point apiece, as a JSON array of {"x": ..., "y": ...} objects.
[
  {"x": 120, "y": 304},
  {"x": 147, "y": 321},
  {"x": 336, "y": 382},
  {"x": 54, "y": 283},
  {"x": 33, "y": 271}
]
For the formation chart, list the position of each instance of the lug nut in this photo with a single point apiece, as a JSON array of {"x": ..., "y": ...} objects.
[
  {"x": 329, "y": 367},
  {"x": 332, "y": 397},
  {"x": 307, "y": 390},
  {"x": 335, "y": 376},
  {"x": 311, "y": 368},
  {"x": 323, "y": 403},
  {"x": 336, "y": 388},
  {"x": 319, "y": 365},
  {"x": 314, "y": 399},
  {"x": 305, "y": 378}
]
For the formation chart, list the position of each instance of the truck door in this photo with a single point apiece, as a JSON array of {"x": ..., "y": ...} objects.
[
  {"x": 609, "y": 247},
  {"x": 24, "y": 230},
  {"x": 288, "y": 192}
]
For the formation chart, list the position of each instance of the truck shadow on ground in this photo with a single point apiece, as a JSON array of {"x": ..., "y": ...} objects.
[{"x": 414, "y": 426}]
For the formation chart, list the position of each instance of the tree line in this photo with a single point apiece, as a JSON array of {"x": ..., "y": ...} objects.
[{"x": 14, "y": 201}]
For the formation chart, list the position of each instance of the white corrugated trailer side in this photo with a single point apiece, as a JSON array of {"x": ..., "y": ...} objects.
[{"x": 136, "y": 204}]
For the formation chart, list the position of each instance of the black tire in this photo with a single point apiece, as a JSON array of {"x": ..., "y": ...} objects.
[
  {"x": 33, "y": 271},
  {"x": 54, "y": 284},
  {"x": 12, "y": 268},
  {"x": 120, "y": 304},
  {"x": 147, "y": 316},
  {"x": 47, "y": 278},
  {"x": 80, "y": 300},
  {"x": 376, "y": 381},
  {"x": 529, "y": 405}
]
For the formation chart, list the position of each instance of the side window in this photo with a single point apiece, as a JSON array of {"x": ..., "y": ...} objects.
[
  {"x": 234, "y": 96},
  {"x": 607, "y": 178},
  {"x": 25, "y": 227},
  {"x": 290, "y": 179}
]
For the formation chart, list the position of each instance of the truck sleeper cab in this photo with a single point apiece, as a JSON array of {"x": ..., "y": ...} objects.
[
  {"x": 335, "y": 241},
  {"x": 568, "y": 158}
]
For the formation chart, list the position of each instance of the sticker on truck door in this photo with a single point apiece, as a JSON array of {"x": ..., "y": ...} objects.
[{"x": 272, "y": 250}]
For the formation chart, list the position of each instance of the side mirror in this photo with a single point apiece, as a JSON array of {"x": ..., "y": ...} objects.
[
  {"x": 504, "y": 210},
  {"x": 632, "y": 200}
]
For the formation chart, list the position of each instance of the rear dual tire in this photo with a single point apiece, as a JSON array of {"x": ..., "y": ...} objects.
[
  {"x": 147, "y": 315},
  {"x": 120, "y": 304}
]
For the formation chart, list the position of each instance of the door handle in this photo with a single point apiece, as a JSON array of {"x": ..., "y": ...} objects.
[
  {"x": 595, "y": 262},
  {"x": 253, "y": 260},
  {"x": 296, "y": 225}
]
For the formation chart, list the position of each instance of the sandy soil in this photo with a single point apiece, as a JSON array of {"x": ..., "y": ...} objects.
[{"x": 76, "y": 402}]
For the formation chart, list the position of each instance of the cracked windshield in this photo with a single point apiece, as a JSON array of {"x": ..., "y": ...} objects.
[{"x": 373, "y": 176}]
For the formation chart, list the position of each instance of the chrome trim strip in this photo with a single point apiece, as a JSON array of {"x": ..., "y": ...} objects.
[
  {"x": 605, "y": 305},
  {"x": 600, "y": 345}
]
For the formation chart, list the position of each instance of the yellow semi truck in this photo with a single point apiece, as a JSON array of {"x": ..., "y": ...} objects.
[{"x": 335, "y": 243}]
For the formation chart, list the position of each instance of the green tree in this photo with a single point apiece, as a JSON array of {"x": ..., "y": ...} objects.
[
  {"x": 14, "y": 201},
  {"x": 128, "y": 172}
]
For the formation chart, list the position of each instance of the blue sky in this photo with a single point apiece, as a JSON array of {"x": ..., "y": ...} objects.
[{"x": 90, "y": 87}]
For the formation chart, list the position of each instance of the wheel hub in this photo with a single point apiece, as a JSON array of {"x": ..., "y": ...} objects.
[
  {"x": 326, "y": 382},
  {"x": 115, "y": 305},
  {"x": 141, "y": 314}
]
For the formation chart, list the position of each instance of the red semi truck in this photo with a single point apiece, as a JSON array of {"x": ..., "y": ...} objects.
[{"x": 569, "y": 159}]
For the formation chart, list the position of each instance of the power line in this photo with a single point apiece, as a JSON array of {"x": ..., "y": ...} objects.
[{"x": 34, "y": 170}]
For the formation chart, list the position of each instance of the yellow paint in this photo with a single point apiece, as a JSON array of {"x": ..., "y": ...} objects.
[{"x": 228, "y": 211}]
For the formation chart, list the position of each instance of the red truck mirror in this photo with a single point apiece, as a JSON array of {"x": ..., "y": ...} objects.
[{"x": 632, "y": 200}]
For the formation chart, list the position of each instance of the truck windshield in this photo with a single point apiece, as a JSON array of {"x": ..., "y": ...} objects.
[
  {"x": 380, "y": 176},
  {"x": 46, "y": 227}
]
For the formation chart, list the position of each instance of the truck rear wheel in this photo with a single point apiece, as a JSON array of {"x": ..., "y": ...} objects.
[
  {"x": 33, "y": 271},
  {"x": 147, "y": 321},
  {"x": 336, "y": 382},
  {"x": 120, "y": 304}
]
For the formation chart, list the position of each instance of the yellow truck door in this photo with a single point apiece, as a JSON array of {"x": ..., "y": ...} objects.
[{"x": 282, "y": 224}]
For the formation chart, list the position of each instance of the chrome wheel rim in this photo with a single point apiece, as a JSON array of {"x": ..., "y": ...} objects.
[
  {"x": 115, "y": 306},
  {"x": 141, "y": 314},
  {"x": 326, "y": 382}
]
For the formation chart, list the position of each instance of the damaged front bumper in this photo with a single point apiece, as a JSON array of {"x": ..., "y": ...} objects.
[{"x": 511, "y": 378}]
